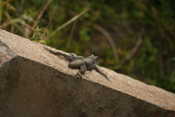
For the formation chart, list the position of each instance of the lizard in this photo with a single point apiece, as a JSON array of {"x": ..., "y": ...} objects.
[{"x": 79, "y": 62}]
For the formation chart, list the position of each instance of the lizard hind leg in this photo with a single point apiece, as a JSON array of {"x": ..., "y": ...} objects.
[{"x": 81, "y": 72}]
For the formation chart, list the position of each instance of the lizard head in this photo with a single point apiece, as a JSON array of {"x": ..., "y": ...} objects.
[{"x": 94, "y": 57}]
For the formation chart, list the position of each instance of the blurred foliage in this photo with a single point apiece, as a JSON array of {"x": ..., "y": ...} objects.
[{"x": 107, "y": 28}]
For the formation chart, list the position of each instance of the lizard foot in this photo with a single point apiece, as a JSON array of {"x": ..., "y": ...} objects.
[{"x": 79, "y": 76}]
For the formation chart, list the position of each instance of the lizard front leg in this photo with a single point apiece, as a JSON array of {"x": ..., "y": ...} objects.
[{"x": 100, "y": 72}]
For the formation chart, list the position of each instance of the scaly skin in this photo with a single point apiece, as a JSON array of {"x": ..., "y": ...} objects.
[{"x": 79, "y": 62}]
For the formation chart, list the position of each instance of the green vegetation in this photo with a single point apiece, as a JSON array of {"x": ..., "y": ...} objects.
[{"x": 133, "y": 37}]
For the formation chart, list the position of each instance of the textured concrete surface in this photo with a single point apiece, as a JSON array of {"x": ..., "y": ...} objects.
[{"x": 35, "y": 83}]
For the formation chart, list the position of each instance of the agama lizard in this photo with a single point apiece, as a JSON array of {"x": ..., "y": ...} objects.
[{"x": 80, "y": 62}]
